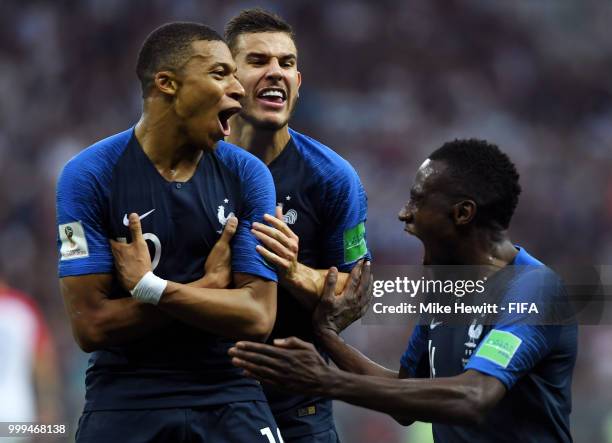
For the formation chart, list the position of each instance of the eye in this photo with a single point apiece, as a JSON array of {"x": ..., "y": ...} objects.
[
  {"x": 219, "y": 74},
  {"x": 288, "y": 64}
]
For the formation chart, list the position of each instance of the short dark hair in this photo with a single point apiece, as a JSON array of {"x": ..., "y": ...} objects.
[
  {"x": 168, "y": 47},
  {"x": 254, "y": 20},
  {"x": 482, "y": 172}
]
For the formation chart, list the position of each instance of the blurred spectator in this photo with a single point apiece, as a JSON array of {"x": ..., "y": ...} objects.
[{"x": 29, "y": 378}]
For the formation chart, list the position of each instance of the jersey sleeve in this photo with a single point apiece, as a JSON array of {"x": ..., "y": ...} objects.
[
  {"x": 82, "y": 242},
  {"x": 345, "y": 212},
  {"x": 258, "y": 198},
  {"x": 510, "y": 351},
  {"x": 414, "y": 360},
  {"x": 515, "y": 345}
]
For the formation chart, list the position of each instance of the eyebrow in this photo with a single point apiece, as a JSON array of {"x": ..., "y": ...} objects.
[
  {"x": 267, "y": 55},
  {"x": 231, "y": 68},
  {"x": 207, "y": 58}
]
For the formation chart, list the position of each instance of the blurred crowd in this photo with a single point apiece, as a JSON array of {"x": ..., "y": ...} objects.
[{"x": 384, "y": 84}]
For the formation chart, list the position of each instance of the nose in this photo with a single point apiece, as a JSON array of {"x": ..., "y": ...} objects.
[
  {"x": 235, "y": 90},
  {"x": 404, "y": 214},
  {"x": 274, "y": 70}
]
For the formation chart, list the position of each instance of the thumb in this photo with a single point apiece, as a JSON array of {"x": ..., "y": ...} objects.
[
  {"x": 135, "y": 228},
  {"x": 329, "y": 290},
  {"x": 229, "y": 230}
]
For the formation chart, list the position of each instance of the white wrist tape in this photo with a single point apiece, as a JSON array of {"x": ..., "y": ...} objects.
[{"x": 149, "y": 289}]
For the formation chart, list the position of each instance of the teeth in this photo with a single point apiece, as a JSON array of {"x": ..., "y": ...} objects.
[{"x": 272, "y": 93}]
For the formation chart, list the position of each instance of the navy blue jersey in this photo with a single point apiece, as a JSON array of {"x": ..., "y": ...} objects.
[
  {"x": 178, "y": 365},
  {"x": 325, "y": 204},
  {"x": 534, "y": 363}
]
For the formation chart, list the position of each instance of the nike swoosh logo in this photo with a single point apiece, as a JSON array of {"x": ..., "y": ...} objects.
[
  {"x": 434, "y": 324},
  {"x": 126, "y": 222}
]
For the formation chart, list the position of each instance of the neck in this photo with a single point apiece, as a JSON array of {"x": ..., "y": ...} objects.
[
  {"x": 159, "y": 133},
  {"x": 265, "y": 144},
  {"x": 480, "y": 247}
]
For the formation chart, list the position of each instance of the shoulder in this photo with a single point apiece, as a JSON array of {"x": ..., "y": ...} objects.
[
  {"x": 241, "y": 162},
  {"x": 326, "y": 164},
  {"x": 96, "y": 161}
]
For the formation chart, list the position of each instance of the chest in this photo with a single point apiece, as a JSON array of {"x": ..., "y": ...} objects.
[
  {"x": 302, "y": 204},
  {"x": 180, "y": 221},
  {"x": 450, "y": 347}
]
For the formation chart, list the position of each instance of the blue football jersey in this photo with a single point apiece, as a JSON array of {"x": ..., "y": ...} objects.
[
  {"x": 179, "y": 365},
  {"x": 534, "y": 362},
  {"x": 325, "y": 204}
]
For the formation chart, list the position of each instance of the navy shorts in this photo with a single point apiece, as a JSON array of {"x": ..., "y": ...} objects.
[
  {"x": 310, "y": 423},
  {"x": 239, "y": 422},
  {"x": 329, "y": 436}
]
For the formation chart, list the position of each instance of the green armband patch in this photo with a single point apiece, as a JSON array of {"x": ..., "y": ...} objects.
[
  {"x": 354, "y": 243},
  {"x": 499, "y": 347}
]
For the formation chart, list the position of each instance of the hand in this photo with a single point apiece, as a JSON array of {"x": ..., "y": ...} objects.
[
  {"x": 336, "y": 312},
  {"x": 281, "y": 244},
  {"x": 132, "y": 260},
  {"x": 218, "y": 266},
  {"x": 290, "y": 364}
]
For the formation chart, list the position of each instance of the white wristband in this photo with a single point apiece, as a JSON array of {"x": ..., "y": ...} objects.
[{"x": 149, "y": 289}]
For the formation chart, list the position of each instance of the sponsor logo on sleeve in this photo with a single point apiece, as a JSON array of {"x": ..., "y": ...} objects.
[
  {"x": 354, "y": 243},
  {"x": 73, "y": 241},
  {"x": 499, "y": 347}
]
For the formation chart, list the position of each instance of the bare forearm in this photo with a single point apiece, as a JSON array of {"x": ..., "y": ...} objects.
[
  {"x": 431, "y": 400},
  {"x": 350, "y": 359},
  {"x": 233, "y": 313},
  {"x": 125, "y": 320}
]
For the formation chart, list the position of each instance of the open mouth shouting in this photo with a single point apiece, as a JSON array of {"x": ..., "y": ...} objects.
[
  {"x": 272, "y": 97},
  {"x": 224, "y": 117}
]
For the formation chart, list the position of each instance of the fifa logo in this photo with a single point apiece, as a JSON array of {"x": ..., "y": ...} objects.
[{"x": 69, "y": 234}]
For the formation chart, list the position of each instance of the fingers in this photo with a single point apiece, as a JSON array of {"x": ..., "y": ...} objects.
[
  {"x": 135, "y": 228},
  {"x": 274, "y": 245},
  {"x": 364, "y": 281},
  {"x": 293, "y": 343},
  {"x": 261, "y": 348},
  {"x": 273, "y": 259},
  {"x": 354, "y": 278},
  {"x": 229, "y": 230},
  {"x": 279, "y": 223},
  {"x": 331, "y": 279},
  {"x": 263, "y": 373},
  {"x": 368, "y": 297},
  {"x": 275, "y": 232},
  {"x": 259, "y": 359},
  {"x": 117, "y": 246}
]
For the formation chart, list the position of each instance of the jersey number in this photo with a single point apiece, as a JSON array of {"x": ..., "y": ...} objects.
[
  {"x": 432, "y": 354},
  {"x": 268, "y": 433},
  {"x": 156, "y": 246}
]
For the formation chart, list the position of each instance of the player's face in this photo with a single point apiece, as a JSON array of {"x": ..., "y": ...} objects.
[
  {"x": 267, "y": 68},
  {"x": 428, "y": 214},
  {"x": 208, "y": 93}
]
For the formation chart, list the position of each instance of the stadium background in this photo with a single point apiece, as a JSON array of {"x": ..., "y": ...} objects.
[{"x": 385, "y": 83}]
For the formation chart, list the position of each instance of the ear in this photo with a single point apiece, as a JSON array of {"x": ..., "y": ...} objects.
[
  {"x": 166, "y": 82},
  {"x": 299, "y": 75},
  {"x": 464, "y": 212}
]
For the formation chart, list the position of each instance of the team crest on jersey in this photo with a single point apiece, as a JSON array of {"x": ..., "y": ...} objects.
[
  {"x": 221, "y": 216},
  {"x": 474, "y": 333},
  {"x": 289, "y": 217},
  {"x": 74, "y": 243}
]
